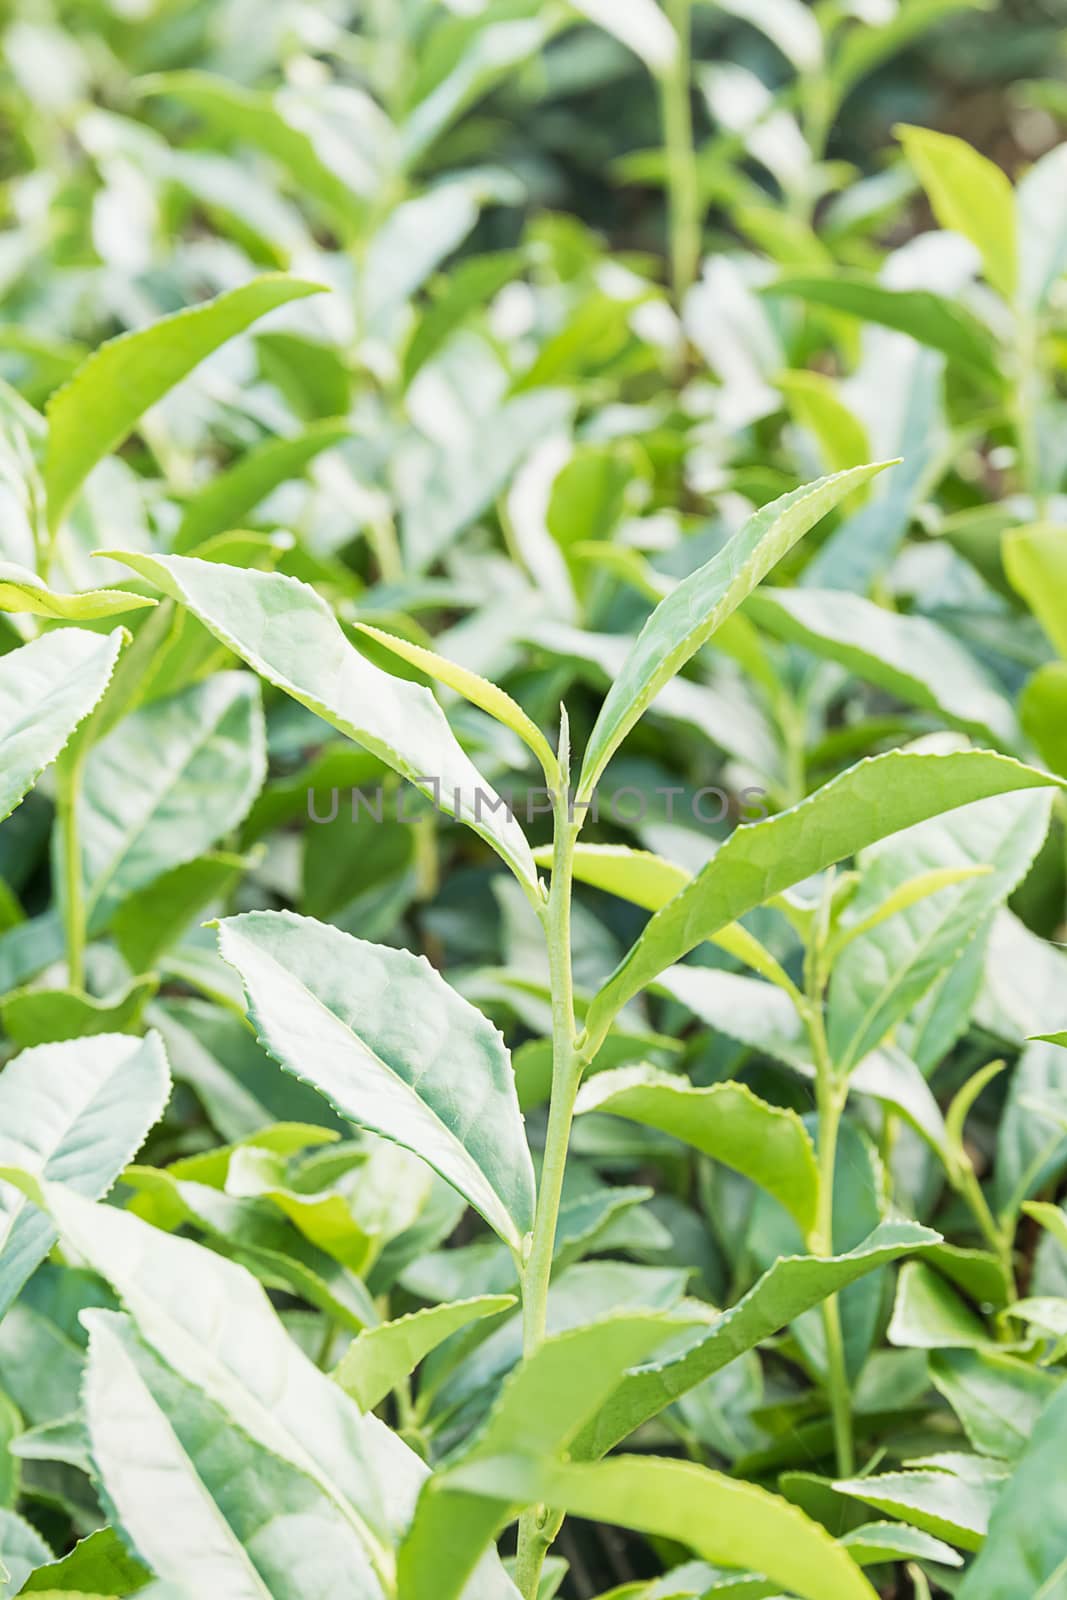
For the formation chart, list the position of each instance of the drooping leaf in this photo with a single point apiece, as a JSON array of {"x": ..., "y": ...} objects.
[
  {"x": 945, "y": 1504},
  {"x": 75, "y": 1113},
  {"x": 120, "y": 381},
  {"x": 640, "y": 25},
  {"x": 394, "y": 1049},
  {"x": 46, "y": 688},
  {"x": 45, "y": 1016},
  {"x": 689, "y": 615},
  {"x": 289, "y": 635},
  {"x": 873, "y": 799},
  {"x": 727, "y": 1121}
]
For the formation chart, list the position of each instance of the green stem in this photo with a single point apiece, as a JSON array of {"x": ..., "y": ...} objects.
[
  {"x": 68, "y": 773},
  {"x": 831, "y": 1104},
  {"x": 682, "y": 184},
  {"x": 538, "y": 1526},
  {"x": 997, "y": 1237},
  {"x": 1027, "y": 394}
]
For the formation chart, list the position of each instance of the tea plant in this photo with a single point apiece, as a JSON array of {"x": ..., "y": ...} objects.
[{"x": 531, "y": 820}]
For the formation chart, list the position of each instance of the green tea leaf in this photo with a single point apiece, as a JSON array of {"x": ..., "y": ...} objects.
[
  {"x": 1024, "y": 1552},
  {"x": 24, "y": 591},
  {"x": 44, "y": 1016},
  {"x": 997, "y": 1398},
  {"x": 380, "y": 1358},
  {"x": 877, "y": 797},
  {"x": 46, "y": 688},
  {"x": 1035, "y": 560},
  {"x": 395, "y": 1050},
  {"x": 929, "y": 1315},
  {"x": 120, "y": 381},
  {"x": 75, "y": 1112},
  {"x": 722, "y": 1519},
  {"x": 165, "y": 784},
  {"x": 944, "y": 1504},
  {"x": 308, "y": 656},
  {"x": 793, "y": 1285},
  {"x": 727, "y": 1121},
  {"x": 689, "y": 615},
  {"x": 969, "y": 195},
  {"x": 910, "y": 657},
  {"x": 225, "y": 502},
  {"x": 932, "y": 319}
]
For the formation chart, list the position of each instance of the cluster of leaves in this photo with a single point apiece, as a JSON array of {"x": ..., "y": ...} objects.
[{"x": 645, "y": 1036}]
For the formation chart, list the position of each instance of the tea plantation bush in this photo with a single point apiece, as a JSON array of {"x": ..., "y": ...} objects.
[{"x": 533, "y": 737}]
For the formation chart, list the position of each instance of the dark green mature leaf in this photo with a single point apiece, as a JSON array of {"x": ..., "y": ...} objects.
[
  {"x": 791, "y": 1286},
  {"x": 45, "y": 1016},
  {"x": 883, "y": 973},
  {"x": 121, "y": 380},
  {"x": 289, "y": 635},
  {"x": 165, "y": 784},
  {"x": 689, "y": 615},
  {"x": 46, "y": 688},
  {"x": 1024, "y": 1553},
  {"x": 930, "y": 1315},
  {"x": 932, "y": 319},
  {"x": 74, "y": 1113},
  {"x": 877, "y": 797},
  {"x": 393, "y": 1048},
  {"x": 226, "y": 500},
  {"x": 946, "y": 1504},
  {"x": 721, "y": 1518},
  {"x": 911, "y": 657},
  {"x": 997, "y": 1397},
  {"x": 727, "y": 1121},
  {"x": 179, "y": 1478}
]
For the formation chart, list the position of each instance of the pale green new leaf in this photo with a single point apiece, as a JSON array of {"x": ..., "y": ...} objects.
[
  {"x": 1035, "y": 560},
  {"x": 120, "y": 381},
  {"x": 392, "y": 1047},
  {"x": 46, "y": 688},
  {"x": 969, "y": 195},
  {"x": 873, "y": 799},
  {"x": 479, "y": 691},
  {"x": 283, "y": 629},
  {"x": 23, "y": 591},
  {"x": 74, "y": 1113},
  {"x": 689, "y": 615},
  {"x": 769, "y": 1144},
  {"x": 722, "y": 1519},
  {"x": 378, "y": 1359}
]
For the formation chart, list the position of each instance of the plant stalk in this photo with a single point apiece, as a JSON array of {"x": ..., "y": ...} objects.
[
  {"x": 538, "y": 1525},
  {"x": 683, "y": 190},
  {"x": 831, "y": 1104},
  {"x": 68, "y": 773}
]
